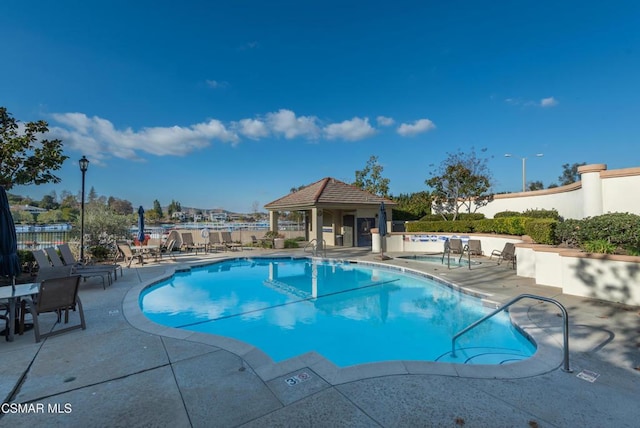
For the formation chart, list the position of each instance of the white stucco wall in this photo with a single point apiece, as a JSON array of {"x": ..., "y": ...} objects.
[
  {"x": 566, "y": 199},
  {"x": 612, "y": 280},
  {"x": 599, "y": 192},
  {"x": 618, "y": 194},
  {"x": 599, "y": 276}
]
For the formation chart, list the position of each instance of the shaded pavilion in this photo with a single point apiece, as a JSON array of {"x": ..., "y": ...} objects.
[{"x": 334, "y": 211}]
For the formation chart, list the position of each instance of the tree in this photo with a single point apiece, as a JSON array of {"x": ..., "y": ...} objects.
[
  {"x": 411, "y": 206},
  {"x": 370, "y": 178},
  {"x": 157, "y": 208},
  {"x": 93, "y": 195},
  {"x": 120, "y": 206},
  {"x": 48, "y": 202},
  {"x": 536, "y": 185},
  {"x": 462, "y": 180},
  {"x": 570, "y": 173},
  {"x": 174, "y": 207},
  {"x": 26, "y": 158}
]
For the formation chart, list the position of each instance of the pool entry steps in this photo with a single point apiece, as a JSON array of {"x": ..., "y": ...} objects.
[{"x": 565, "y": 329}]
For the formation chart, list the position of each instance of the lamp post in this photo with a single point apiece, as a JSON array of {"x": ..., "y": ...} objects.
[
  {"x": 524, "y": 168},
  {"x": 84, "y": 164}
]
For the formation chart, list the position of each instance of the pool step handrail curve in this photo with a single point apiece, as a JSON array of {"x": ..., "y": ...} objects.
[
  {"x": 314, "y": 244},
  {"x": 565, "y": 320},
  {"x": 447, "y": 253}
]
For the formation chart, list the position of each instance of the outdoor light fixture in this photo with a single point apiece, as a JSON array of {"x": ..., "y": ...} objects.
[
  {"x": 524, "y": 168},
  {"x": 84, "y": 165}
]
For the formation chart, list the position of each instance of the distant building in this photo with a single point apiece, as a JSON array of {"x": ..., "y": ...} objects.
[{"x": 179, "y": 215}]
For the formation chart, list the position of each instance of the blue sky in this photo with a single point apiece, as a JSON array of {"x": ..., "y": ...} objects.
[{"x": 223, "y": 104}]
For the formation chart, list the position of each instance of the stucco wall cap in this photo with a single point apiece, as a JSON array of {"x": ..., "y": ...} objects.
[{"x": 596, "y": 167}]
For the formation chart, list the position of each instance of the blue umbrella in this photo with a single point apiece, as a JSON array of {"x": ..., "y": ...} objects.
[
  {"x": 141, "y": 225},
  {"x": 9, "y": 260},
  {"x": 382, "y": 227}
]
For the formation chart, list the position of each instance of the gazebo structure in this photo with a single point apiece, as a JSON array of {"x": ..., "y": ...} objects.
[{"x": 335, "y": 212}]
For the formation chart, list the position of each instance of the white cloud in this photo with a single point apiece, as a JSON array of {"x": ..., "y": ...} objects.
[
  {"x": 286, "y": 123},
  {"x": 417, "y": 127},
  {"x": 385, "y": 121},
  {"x": 351, "y": 130},
  {"x": 251, "y": 128},
  {"x": 217, "y": 84},
  {"x": 100, "y": 138},
  {"x": 544, "y": 103}
]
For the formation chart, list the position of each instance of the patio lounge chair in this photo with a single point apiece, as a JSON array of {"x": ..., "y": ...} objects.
[
  {"x": 56, "y": 295},
  {"x": 475, "y": 247},
  {"x": 188, "y": 244},
  {"x": 508, "y": 254},
  {"x": 69, "y": 259},
  {"x": 84, "y": 272},
  {"x": 455, "y": 246},
  {"x": 127, "y": 252},
  {"x": 168, "y": 248},
  {"x": 41, "y": 259},
  {"x": 228, "y": 242},
  {"x": 215, "y": 243}
]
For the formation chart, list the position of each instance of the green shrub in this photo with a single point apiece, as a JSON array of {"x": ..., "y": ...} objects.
[
  {"x": 620, "y": 229},
  {"x": 441, "y": 226},
  {"x": 507, "y": 214},
  {"x": 449, "y": 217},
  {"x": 599, "y": 246},
  {"x": 99, "y": 252},
  {"x": 510, "y": 225},
  {"x": 290, "y": 243},
  {"x": 402, "y": 215},
  {"x": 26, "y": 259},
  {"x": 632, "y": 251},
  {"x": 542, "y": 214},
  {"x": 484, "y": 226},
  {"x": 542, "y": 231},
  {"x": 567, "y": 232}
]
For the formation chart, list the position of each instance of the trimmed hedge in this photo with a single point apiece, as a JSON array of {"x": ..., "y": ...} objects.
[
  {"x": 542, "y": 231},
  {"x": 530, "y": 214},
  {"x": 449, "y": 217},
  {"x": 507, "y": 214},
  {"x": 441, "y": 226}
]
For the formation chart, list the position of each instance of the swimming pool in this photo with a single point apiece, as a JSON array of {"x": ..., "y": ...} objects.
[{"x": 349, "y": 313}]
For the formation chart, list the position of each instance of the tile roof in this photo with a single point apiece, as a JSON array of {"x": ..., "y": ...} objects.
[{"x": 327, "y": 191}]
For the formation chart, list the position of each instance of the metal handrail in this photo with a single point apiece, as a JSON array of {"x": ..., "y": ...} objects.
[
  {"x": 314, "y": 244},
  {"x": 447, "y": 252},
  {"x": 565, "y": 318}
]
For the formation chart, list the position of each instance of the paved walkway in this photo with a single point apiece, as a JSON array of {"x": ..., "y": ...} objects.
[{"x": 125, "y": 371}]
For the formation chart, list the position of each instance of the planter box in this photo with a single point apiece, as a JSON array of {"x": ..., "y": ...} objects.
[{"x": 278, "y": 243}]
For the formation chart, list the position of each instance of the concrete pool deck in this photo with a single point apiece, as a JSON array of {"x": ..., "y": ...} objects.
[{"x": 122, "y": 372}]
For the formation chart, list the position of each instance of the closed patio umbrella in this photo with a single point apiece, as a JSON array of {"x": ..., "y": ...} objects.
[
  {"x": 141, "y": 225},
  {"x": 382, "y": 228},
  {"x": 9, "y": 260}
]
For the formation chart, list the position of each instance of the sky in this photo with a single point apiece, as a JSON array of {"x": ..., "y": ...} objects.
[{"x": 229, "y": 104}]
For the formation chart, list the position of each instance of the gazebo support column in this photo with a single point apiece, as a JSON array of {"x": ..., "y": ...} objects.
[
  {"x": 316, "y": 226},
  {"x": 273, "y": 221}
]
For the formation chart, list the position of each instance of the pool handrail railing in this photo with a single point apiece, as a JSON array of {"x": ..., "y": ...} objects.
[{"x": 565, "y": 319}]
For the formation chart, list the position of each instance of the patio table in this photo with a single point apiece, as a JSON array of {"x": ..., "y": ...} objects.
[
  {"x": 13, "y": 296},
  {"x": 146, "y": 250}
]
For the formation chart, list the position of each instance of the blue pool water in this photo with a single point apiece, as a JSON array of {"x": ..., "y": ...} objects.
[{"x": 351, "y": 314}]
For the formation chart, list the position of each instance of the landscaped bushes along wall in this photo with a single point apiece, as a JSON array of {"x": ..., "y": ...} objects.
[
  {"x": 541, "y": 231},
  {"x": 607, "y": 233}
]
